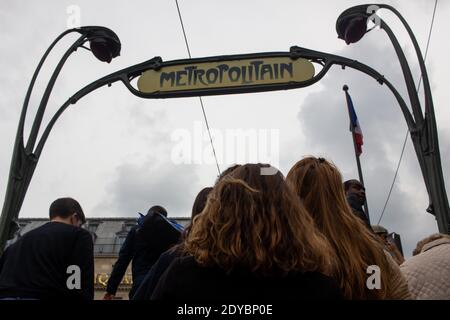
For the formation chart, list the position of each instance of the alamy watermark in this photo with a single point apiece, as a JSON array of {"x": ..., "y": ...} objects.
[
  {"x": 374, "y": 21},
  {"x": 231, "y": 146},
  {"x": 74, "y": 278},
  {"x": 374, "y": 280},
  {"x": 74, "y": 16}
]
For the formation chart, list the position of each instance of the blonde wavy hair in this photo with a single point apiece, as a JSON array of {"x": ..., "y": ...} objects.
[
  {"x": 256, "y": 222},
  {"x": 318, "y": 183}
]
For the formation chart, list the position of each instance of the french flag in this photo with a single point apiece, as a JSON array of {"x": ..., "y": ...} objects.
[{"x": 354, "y": 125}]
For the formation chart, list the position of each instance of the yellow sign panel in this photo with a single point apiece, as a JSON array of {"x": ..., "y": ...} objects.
[
  {"x": 102, "y": 279},
  {"x": 226, "y": 74}
]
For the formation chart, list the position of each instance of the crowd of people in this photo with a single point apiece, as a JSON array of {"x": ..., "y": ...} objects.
[{"x": 252, "y": 236}]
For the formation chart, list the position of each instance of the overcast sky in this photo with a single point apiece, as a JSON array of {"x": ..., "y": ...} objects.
[{"x": 114, "y": 152}]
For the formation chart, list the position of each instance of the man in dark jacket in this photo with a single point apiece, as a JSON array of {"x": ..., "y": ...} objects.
[
  {"x": 356, "y": 197},
  {"x": 143, "y": 245},
  {"x": 54, "y": 261}
]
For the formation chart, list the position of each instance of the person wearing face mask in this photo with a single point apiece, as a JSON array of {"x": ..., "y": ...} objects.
[{"x": 53, "y": 261}]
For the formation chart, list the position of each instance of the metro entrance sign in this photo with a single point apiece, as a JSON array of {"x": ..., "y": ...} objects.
[{"x": 227, "y": 74}]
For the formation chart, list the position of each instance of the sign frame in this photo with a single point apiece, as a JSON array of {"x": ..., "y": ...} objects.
[{"x": 158, "y": 64}]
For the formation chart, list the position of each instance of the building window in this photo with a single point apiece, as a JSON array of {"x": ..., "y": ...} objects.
[
  {"x": 120, "y": 239},
  {"x": 127, "y": 226},
  {"x": 22, "y": 224},
  {"x": 92, "y": 226}
]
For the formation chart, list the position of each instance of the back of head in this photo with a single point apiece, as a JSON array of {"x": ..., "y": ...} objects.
[
  {"x": 318, "y": 183},
  {"x": 155, "y": 233},
  {"x": 226, "y": 172},
  {"x": 197, "y": 208},
  {"x": 147, "y": 224},
  {"x": 200, "y": 201},
  {"x": 158, "y": 209},
  {"x": 427, "y": 240},
  {"x": 255, "y": 222},
  {"x": 65, "y": 207},
  {"x": 349, "y": 183},
  {"x": 379, "y": 229}
]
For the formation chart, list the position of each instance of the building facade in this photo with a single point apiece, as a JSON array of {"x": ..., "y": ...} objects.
[{"x": 109, "y": 234}]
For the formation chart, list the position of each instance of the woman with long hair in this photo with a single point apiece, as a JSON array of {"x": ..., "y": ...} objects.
[
  {"x": 253, "y": 239},
  {"x": 318, "y": 184},
  {"x": 145, "y": 291}
]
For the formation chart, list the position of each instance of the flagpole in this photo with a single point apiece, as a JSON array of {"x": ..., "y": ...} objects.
[{"x": 358, "y": 163}]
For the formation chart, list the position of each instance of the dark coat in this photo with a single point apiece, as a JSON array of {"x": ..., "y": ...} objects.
[
  {"x": 143, "y": 245},
  {"x": 185, "y": 280},
  {"x": 148, "y": 285},
  {"x": 37, "y": 265}
]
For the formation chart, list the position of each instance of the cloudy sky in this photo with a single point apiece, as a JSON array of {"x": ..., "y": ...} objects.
[{"x": 117, "y": 154}]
